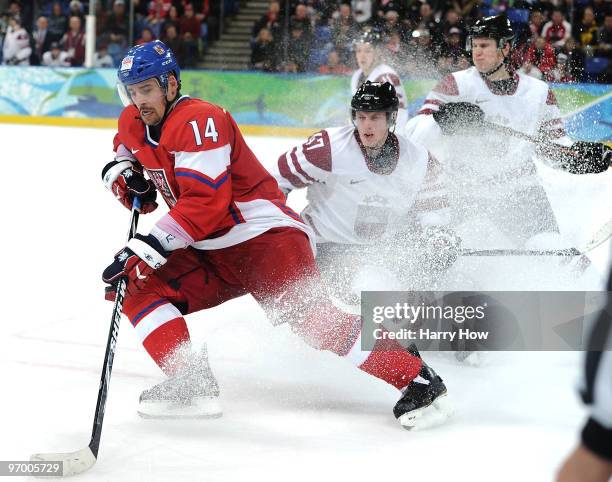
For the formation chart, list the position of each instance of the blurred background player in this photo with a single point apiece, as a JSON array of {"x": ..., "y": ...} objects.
[
  {"x": 495, "y": 177},
  {"x": 227, "y": 233},
  {"x": 377, "y": 205},
  {"x": 369, "y": 54}
]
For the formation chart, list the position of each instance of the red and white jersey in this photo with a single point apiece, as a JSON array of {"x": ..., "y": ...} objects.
[
  {"x": 352, "y": 201},
  {"x": 218, "y": 193},
  {"x": 488, "y": 160},
  {"x": 384, "y": 73}
]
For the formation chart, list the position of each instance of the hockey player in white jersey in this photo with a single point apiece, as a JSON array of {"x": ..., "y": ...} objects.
[
  {"x": 494, "y": 176},
  {"x": 369, "y": 56},
  {"x": 368, "y": 187}
]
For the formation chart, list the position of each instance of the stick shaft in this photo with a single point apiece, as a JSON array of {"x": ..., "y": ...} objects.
[{"x": 111, "y": 345}]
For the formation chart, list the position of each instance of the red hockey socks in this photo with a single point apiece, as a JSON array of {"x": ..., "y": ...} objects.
[
  {"x": 162, "y": 330},
  {"x": 333, "y": 330}
]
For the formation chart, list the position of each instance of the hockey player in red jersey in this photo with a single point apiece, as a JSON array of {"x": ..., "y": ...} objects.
[{"x": 228, "y": 232}]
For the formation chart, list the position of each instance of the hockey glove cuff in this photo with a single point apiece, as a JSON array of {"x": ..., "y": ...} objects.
[
  {"x": 126, "y": 180},
  {"x": 141, "y": 256}
]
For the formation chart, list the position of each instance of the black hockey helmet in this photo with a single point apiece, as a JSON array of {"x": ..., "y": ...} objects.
[
  {"x": 373, "y": 36},
  {"x": 375, "y": 97},
  {"x": 497, "y": 27}
]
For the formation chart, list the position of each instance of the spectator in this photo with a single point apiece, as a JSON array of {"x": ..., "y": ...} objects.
[
  {"x": 423, "y": 56},
  {"x": 159, "y": 8},
  {"x": 362, "y": 11},
  {"x": 428, "y": 23},
  {"x": 174, "y": 43},
  {"x": 298, "y": 49},
  {"x": 453, "y": 56},
  {"x": 118, "y": 31},
  {"x": 575, "y": 59},
  {"x": 540, "y": 60},
  {"x": 55, "y": 57},
  {"x": 76, "y": 10},
  {"x": 344, "y": 29},
  {"x": 558, "y": 30},
  {"x": 452, "y": 21},
  {"x": 468, "y": 9},
  {"x": 102, "y": 59},
  {"x": 586, "y": 30},
  {"x": 58, "y": 23},
  {"x": 300, "y": 20},
  {"x": 334, "y": 66},
  {"x": 146, "y": 36},
  {"x": 604, "y": 38},
  {"x": 263, "y": 55},
  {"x": 271, "y": 20},
  {"x": 188, "y": 23},
  {"x": 73, "y": 42},
  {"x": 101, "y": 20},
  {"x": 42, "y": 41},
  {"x": 393, "y": 25},
  {"x": 16, "y": 49},
  {"x": 190, "y": 50},
  {"x": 171, "y": 19},
  {"x": 561, "y": 72},
  {"x": 536, "y": 23},
  {"x": 601, "y": 8}
]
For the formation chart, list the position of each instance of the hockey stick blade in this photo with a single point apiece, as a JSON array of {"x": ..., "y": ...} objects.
[{"x": 73, "y": 463}]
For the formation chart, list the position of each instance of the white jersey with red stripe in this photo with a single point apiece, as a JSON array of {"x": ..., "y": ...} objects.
[
  {"x": 384, "y": 73},
  {"x": 353, "y": 201},
  {"x": 486, "y": 160},
  {"x": 218, "y": 193}
]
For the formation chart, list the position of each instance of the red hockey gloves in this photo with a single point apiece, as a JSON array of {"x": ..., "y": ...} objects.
[
  {"x": 141, "y": 256},
  {"x": 459, "y": 118},
  {"x": 126, "y": 180}
]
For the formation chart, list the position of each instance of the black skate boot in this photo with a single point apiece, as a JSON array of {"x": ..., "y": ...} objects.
[
  {"x": 423, "y": 403},
  {"x": 192, "y": 393}
]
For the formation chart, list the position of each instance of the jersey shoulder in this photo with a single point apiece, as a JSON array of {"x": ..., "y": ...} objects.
[
  {"x": 533, "y": 85},
  {"x": 130, "y": 127},
  {"x": 196, "y": 125}
]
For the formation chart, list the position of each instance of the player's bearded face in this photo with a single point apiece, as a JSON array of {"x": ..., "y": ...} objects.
[
  {"x": 365, "y": 56},
  {"x": 485, "y": 54},
  {"x": 372, "y": 128},
  {"x": 150, "y": 99}
]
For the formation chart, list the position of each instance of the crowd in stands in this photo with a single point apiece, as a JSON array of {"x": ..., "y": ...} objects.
[
  {"x": 52, "y": 32},
  {"x": 556, "y": 40}
]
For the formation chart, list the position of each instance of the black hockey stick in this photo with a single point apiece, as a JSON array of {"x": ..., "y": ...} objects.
[
  {"x": 82, "y": 460},
  {"x": 555, "y": 155},
  {"x": 601, "y": 236}
]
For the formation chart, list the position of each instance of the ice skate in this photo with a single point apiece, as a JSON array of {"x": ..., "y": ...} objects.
[
  {"x": 192, "y": 393},
  {"x": 423, "y": 403}
]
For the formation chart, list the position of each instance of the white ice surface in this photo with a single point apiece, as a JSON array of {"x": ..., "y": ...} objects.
[{"x": 291, "y": 413}]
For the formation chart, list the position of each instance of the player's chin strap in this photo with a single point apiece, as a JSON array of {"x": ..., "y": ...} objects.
[{"x": 494, "y": 70}]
